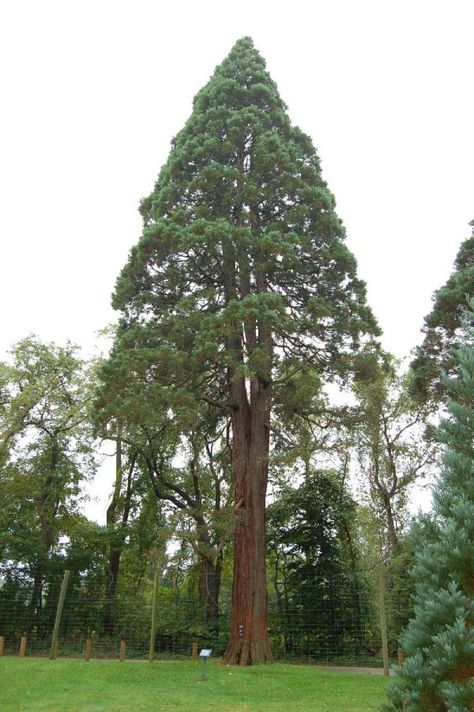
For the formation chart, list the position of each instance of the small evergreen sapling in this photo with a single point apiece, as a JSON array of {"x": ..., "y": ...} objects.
[{"x": 439, "y": 641}]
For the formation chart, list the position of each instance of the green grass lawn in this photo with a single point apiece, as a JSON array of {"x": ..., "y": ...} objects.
[{"x": 72, "y": 685}]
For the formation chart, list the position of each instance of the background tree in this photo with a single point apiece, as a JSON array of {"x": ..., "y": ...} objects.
[
  {"x": 439, "y": 641},
  {"x": 394, "y": 450},
  {"x": 315, "y": 567},
  {"x": 48, "y": 449},
  {"x": 184, "y": 464},
  {"x": 443, "y": 332},
  {"x": 240, "y": 292},
  {"x": 117, "y": 518}
]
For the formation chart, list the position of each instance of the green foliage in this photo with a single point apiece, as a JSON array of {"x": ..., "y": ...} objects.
[
  {"x": 393, "y": 444},
  {"x": 321, "y": 592},
  {"x": 240, "y": 237},
  {"x": 443, "y": 333},
  {"x": 439, "y": 641},
  {"x": 48, "y": 450}
]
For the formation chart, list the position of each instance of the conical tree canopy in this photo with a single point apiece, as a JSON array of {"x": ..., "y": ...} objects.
[{"x": 239, "y": 163}]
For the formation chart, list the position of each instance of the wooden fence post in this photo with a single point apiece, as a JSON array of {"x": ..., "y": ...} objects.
[
  {"x": 122, "y": 651},
  {"x": 59, "y": 611},
  {"x": 194, "y": 652},
  {"x": 2, "y": 645},
  {"x": 88, "y": 650},
  {"x": 151, "y": 655},
  {"x": 55, "y": 649},
  {"x": 383, "y": 621},
  {"x": 22, "y": 648}
]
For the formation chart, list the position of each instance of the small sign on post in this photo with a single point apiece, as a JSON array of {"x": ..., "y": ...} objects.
[{"x": 203, "y": 656}]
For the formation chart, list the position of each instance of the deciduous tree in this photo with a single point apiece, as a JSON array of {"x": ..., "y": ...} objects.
[
  {"x": 184, "y": 465},
  {"x": 394, "y": 449},
  {"x": 48, "y": 450}
]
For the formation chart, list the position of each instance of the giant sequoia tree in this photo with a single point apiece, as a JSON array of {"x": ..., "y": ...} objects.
[{"x": 242, "y": 294}]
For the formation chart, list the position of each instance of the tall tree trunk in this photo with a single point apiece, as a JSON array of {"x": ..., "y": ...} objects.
[
  {"x": 209, "y": 587},
  {"x": 249, "y": 642},
  {"x": 111, "y": 589},
  {"x": 114, "y": 550},
  {"x": 391, "y": 529},
  {"x": 46, "y": 535},
  {"x": 210, "y": 556},
  {"x": 37, "y": 595},
  {"x": 117, "y": 538}
]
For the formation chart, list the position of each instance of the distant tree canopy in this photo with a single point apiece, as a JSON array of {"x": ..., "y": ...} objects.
[
  {"x": 392, "y": 443},
  {"x": 443, "y": 333},
  {"x": 48, "y": 447}
]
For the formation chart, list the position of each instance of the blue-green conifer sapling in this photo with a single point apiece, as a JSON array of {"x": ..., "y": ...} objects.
[{"x": 438, "y": 674}]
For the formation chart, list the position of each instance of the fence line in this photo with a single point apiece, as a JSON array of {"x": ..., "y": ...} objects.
[{"x": 350, "y": 623}]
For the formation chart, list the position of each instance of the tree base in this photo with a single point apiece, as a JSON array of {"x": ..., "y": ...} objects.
[{"x": 246, "y": 652}]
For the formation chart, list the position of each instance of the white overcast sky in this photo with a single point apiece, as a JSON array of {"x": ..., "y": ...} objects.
[{"x": 92, "y": 93}]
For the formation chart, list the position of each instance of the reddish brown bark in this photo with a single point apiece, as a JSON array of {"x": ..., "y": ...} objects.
[{"x": 249, "y": 641}]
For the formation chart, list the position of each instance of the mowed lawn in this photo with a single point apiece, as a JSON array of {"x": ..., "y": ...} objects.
[{"x": 69, "y": 685}]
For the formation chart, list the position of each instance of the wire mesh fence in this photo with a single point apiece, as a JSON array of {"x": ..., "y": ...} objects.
[{"x": 335, "y": 623}]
